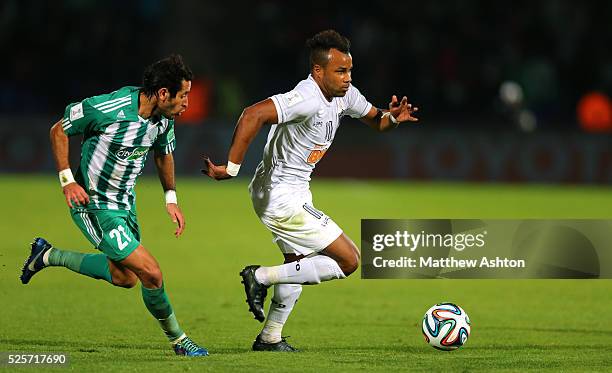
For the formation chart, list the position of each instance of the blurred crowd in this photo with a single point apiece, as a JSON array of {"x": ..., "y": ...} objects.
[{"x": 450, "y": 57}]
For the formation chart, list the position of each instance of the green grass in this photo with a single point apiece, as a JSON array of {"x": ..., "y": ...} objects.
[{"x": 354, "y": 324}]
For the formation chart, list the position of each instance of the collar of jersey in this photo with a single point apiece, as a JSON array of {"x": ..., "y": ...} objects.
[{"x": 150, "y": 121}]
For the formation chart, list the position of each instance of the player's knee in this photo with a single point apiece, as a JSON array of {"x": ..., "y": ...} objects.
[
  {"x": 350, "y": 264},
  {"x": 351, "y": 261},
  {"x": 152, "y": 278},
  {"x": 155, "y": 279}
]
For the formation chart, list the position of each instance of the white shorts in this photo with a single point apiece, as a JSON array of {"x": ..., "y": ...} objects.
[{"x": 297, "y": 226}]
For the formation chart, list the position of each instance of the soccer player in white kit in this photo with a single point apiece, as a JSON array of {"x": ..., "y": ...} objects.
[{"x": 303, "y": 124}]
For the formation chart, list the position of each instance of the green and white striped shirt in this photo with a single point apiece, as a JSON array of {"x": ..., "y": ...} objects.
[{"x": 116, "y": 141}]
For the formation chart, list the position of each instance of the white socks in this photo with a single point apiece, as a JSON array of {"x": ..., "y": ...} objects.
[
  {"x": 287, "y": 280},
  {"x": 304, "y": 271},
  {"x": 285, "y": 296}
]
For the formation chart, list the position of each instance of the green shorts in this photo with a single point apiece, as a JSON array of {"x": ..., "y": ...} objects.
[{"x": 114, "y": 232}]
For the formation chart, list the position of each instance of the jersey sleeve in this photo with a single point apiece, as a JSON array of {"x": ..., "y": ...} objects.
[
  {"x": 357, "y": 105},
  {"x": 79, "y": 117},
  {"x": 295, "y": 106},
  {"x": 165, "y": 143}
]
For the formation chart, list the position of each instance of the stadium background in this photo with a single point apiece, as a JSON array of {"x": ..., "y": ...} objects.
[
  {"x": 514, "y": 100},
  {"x": 550, "y": 59}
]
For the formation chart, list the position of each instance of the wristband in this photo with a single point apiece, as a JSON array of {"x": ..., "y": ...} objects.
[
  {"x": 232, "y": 168},
  {"x": 171, "y": 197},
  {"x": 65, "y": 177},
  {"x": 391, "y": 117}
]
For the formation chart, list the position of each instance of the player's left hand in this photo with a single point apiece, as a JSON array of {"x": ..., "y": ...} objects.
[
  {"x": 402, "y": 110},
  {"x": 214, "y": 171},
  {"x": 177, "y": 217}
]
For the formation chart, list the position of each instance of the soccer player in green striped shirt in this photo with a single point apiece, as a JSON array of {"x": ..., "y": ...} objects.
[{"x": 118, "y": 131}]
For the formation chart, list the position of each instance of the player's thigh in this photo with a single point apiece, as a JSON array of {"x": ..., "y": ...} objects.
[
  {"x": 343, "y": 250},
  {"x": 298, "y": 227},
  {"x": 145, "y": 266},
  {"x": 140, "y": 260},
  {"x": 87, "y": 224},
  {"x": 119, "y": 239}
]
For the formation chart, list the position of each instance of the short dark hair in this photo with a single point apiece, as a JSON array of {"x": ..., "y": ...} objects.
[
  {"x": 167, "y": 73},
  {"x": 320, "y": 44}
]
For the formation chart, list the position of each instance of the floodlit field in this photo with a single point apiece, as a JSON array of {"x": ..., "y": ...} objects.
[{"x": 354, "y": 324}]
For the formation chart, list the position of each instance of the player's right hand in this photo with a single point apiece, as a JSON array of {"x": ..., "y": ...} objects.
[
  {"x": 402, "y": 110},
  {"x": 75, "y": 195},
  {"x": 215, "y": 172}
]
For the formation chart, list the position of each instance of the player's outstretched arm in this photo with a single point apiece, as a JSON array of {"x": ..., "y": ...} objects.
[
  {"x": 249, "y": 124},
  {"x": 74, "y": 193},
  {"x": 165, "y": 170},
  {"x": 399, "y": 112}
]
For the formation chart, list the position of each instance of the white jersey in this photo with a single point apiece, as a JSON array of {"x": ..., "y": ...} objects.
[{"x": 307, "y": 124}]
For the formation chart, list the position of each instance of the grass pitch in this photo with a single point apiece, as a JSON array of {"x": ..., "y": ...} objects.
[{"x": 354, "y": 324}]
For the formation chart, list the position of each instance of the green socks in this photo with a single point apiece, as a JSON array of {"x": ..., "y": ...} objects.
[
  {"x": 92, "y": 265},
  {"x": 158, "y": 304},
  {"x": 96, "y": 266}
]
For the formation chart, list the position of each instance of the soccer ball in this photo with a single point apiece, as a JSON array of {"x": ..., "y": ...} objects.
[{"x": 446, "y": 326}]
